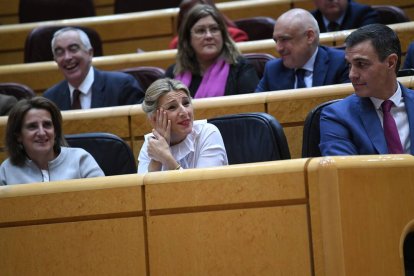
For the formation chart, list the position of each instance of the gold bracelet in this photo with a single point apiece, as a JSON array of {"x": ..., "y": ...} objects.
[{"x": 178, "y": 167}]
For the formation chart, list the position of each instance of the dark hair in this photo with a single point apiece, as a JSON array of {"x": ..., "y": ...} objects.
[
  {"x": 16, "y": 151},
  {"x": 384, "y": 40},
  {"x": 186, "y": 58}
]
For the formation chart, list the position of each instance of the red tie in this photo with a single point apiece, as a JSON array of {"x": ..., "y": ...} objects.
[
  {"x": 390, "y": 129},
  {"x": 76, "y": 101}
]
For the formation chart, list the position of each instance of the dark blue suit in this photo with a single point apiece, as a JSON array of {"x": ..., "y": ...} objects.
[
  {"x": 409, "y": 57},
  {"x": 351, "y": 126},
  {"x": 108, "y": 89},
  {"x": 329, "y": 68},
  {"x": 356, "y": 15}
]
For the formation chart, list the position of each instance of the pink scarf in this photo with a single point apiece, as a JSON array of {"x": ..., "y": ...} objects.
[{"x": 214, "y": 80}]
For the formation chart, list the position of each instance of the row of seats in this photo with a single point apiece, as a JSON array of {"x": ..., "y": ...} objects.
[
  {"x": 37, "y": 46},
  {"x": 248, "y": 137},
  {"x": 43, "y": 10}
]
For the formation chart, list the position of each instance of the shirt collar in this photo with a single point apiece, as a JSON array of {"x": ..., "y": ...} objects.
[
  {"x": 395, "y": 98},
  {"x": 86, "y": 85},
  {"x": 308, "y": 66},
  {"x": 338, "y": 21}
]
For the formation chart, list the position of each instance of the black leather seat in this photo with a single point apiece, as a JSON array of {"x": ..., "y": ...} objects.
[
  {"x": 113, "y": 155},
  {"x": 258, "y": 60},
  {"x": 257, "y": 28},
  {"x": 38, "y": 43},
  {"x": 145, "y": 75},
  {"x": 18, "y": 90},
  {"x": 43, "y": 10},
  {"x": 311, "y": 131},
  {"x": 408, "y": 250},
  {"x": 125, "y": 6},
  {"x": 389, "y": 14},
  {"x": 252, "y": 137}
]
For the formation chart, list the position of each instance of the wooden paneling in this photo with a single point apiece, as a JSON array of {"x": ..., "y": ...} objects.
[{"x": 361, "y": 207}]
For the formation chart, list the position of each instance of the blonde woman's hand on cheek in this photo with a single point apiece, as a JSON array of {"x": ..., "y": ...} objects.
[
  {"x": 159, "y": 149},
  {"x": 162, "y": 125}
]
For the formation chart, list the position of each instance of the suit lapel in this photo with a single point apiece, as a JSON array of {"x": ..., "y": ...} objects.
[
  {"x": 64, "y": 98},
  {"x": 320, "y": 68},
  {"x": 372, "y": 125},
  {"x": 98, "y": 97},
  {"x": 409, "y": 107}
]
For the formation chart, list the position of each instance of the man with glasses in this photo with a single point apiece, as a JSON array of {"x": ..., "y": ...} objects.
[{"x": 303, "y": 62}]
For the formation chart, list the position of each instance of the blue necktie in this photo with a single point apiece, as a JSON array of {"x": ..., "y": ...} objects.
[{"x": 300, "y": 77}]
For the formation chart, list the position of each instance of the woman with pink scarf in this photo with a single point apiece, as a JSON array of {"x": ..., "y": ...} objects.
[{"x": 208, "y": 61}]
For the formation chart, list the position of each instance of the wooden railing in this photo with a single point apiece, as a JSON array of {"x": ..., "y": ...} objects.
[
  {"x": 289, "y": 107},
  {"x": 291, "y": 217},
  {"x": 149, "y": 31}
]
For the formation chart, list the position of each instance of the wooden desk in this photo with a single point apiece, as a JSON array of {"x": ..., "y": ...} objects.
[{"x": 320, "y": 216}]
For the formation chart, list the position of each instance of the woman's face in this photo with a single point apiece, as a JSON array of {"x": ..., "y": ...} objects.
[
  {"x": 38, "y": 134},
  {"x": 179, "y": 110},
  {"x": 206, "y": 39}
]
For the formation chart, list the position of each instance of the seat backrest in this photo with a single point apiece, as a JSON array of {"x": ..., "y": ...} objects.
[
  {"x": 43, "y": 10},
  {"x": 252, "y": 137},
  {"x": 311, "y": 131},
  {"x": 389, "y": 14},
  {"x": 18, "y": 90},
  {"x": 125, "y": 6},
  {"x": 145, "y": 75},
  {"x": 38, "y": 43},
  {"x": 257, "y": 28},
  {"x": 258, "y": 60},
  {"x": 113, "y": 155}
]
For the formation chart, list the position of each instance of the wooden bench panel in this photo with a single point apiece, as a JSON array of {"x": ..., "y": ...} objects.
[
  {"x": 77, "y": 227},
  {"x": 361, "y": 210},
  {"x": 203, "y": 216}
]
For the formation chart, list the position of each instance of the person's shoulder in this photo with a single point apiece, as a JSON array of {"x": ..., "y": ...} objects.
[
  {"x": 74, "y": 151},
  {"x": 200, "y": 126},
  {"x": 56, "y": 88},
  {"x": 358, "y": 6},
  {"x": 332, "y": 50},
  {"x": 114, "y": 74}
]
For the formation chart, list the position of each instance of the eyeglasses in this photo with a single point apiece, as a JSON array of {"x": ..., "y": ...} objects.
[{"x": 202, "y": 32}]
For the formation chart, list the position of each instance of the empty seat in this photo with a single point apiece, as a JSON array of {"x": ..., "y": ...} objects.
[
  {"x": 18, "y": 90},
  {"x": 258, "y": 27},
  {"x": 390, "y": 14},
  {"x": 43, "y": 10},
  {"x": 258, "y": 60},
  {"x": 145, "y": 75},
  {"x": 38, "y": 43},
  {"x": 113, "y": 155},
  {"x": 124, "y": 6},
  {"x": 252, "y": 137},
  {"x": 311, "y": 131}
]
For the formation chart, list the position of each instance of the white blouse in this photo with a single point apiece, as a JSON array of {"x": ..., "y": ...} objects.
[{"x": 203, "y": 147}]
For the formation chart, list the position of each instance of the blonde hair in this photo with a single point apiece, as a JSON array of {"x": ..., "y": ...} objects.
[{"x": 159, "y": 88}]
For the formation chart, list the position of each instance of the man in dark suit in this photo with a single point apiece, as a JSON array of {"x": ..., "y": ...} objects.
[
  {"x": 343, "y": 15},
  {"x": 303, "y": 62},
  {"x": 362, "y": 123},
  {"x": 84, "y": 86}
]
